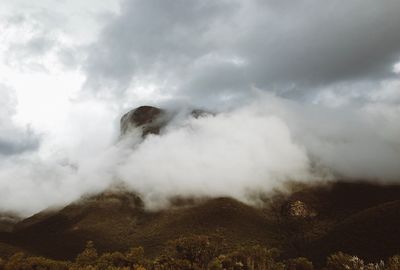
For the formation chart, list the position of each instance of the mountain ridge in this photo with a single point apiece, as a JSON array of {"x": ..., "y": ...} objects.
[{"x": 118, "y": 220}]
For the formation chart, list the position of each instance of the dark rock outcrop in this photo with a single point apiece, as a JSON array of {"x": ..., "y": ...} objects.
[
  {"x": 149, "y": 119},
  {"x": 299, "y": 209},
  {"x": 152, "y": 119},
  {"x": 197, "y": 113}
]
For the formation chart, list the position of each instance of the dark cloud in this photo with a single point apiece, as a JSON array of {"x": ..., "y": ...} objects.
[
  {"x": 152, "y": 36},
  {"x": 207, "y": 48},
  {"x": 25, "y": 141}
]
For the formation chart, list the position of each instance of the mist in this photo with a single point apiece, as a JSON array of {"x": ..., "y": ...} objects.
[
  {"x": 303, "y": 91},
  {"x": 250, "y": 149}
]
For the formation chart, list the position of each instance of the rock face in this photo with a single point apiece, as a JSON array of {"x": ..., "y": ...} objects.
[
  {"x": 152, "y": 119},
  {"x": 299, "y": 209},
  {"x": 197, "y": 113},
  {"x": 149, "y": 119}
]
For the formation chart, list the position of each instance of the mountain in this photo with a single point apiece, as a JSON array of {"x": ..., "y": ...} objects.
[
  {"x": 117, "y": 221},
  {"x": 311, "y": 220},
  {"x": 359, "y": 218},
  {"x": 151, "y": 120}
]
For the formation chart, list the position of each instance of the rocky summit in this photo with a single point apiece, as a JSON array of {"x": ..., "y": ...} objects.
[{"x": 149, "y": 119}]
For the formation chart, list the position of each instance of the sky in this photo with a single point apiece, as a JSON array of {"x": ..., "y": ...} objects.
[{"x": 303, "y": 90}]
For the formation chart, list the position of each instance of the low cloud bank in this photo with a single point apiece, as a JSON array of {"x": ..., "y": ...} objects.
[{"x": 236, "y": 152}]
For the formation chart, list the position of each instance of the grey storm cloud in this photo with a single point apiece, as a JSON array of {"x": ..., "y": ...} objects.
[
  {"x": 209, "y": 47},
  {"x": 25, "y": 141},
  {"x": 333, "y": 112}
]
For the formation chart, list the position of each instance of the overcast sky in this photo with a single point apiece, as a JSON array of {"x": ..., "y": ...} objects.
[{"x": 70, "y": 68}]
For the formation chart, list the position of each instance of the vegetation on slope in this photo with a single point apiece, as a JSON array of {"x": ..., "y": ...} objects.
[
  {"x": 193, "y": 253},
  {"x": 312, "y": 221}
]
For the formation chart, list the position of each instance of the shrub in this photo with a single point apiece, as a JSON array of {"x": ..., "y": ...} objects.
[
  {"x": 342, "y": 261},
  {"x": 197, "y": 250},
  {"x": 300, "y": 263},
  {"x": 88, "y": 256},
  {"x": 135, "y": 256},
  {"x": 251, "y": 257},
  {"x": 20, "y": 262},
  {"x": 393, "y": 263}
]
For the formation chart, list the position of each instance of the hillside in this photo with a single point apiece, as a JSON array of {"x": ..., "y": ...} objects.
[
  {"x": 358, "y": 218},
  {"x": 118, "y": 221}
]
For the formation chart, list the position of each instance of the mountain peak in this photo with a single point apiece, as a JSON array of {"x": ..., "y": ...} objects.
[{"x": 150, "y": 119}]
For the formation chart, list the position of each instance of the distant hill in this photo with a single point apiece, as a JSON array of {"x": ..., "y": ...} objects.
[{"x": 314, "y": 221}]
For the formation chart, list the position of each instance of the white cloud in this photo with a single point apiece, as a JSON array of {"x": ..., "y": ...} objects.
[
  {"x": 396, "y": 68},
  {"x": 72, "y": 67}
]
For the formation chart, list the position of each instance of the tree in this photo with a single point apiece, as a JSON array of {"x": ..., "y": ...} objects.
[
  {"x": 135, "y": 256},
  {"x": 199, "y": 250},
  {"x": 165, "y": 262},
  {"x": 393, "y": 263},
  {"x": 15, "y": 262},
  {"x": 342, "y": 261},
  {"x": 114, "y": 259},
  {"x": 88, "y": 256}
]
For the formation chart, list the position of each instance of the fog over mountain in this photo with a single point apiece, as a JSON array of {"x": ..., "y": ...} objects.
[{"x": 299, "y": 91}]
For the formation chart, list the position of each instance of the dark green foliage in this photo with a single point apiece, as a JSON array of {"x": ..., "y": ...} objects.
[
  {"x": 215, "y": 264},
  {"x": 337, "y": 216},
  {"x": 221, "y": 233},
  {"x": 251, "y": 257},
  {"x": 135, "y": 256},
  {"x": 198, "y": 252},
  {"x": 116, "y": 259},
  {"x": 88, "y": 256},
  {"x": 394, "y": 263},
  {"x": 21, "y": 262},
  {"x": 342, "y": 261},
  {"x": 300, "y": 263},
  {"x": 165, "y": 262}
]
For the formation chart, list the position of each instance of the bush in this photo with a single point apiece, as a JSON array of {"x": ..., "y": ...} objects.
[
  {"x": 251, "y": 257},
  {"x": 197, "y": 250},
  {"x": 342, "y": 261},
  {"x": 215, "y": 264},
  {"x": 165, "y": 262},
  {"x": 393, "y": 263},
  {"x": 192, "y": 253},
  {"x": 300, "y": 263},
  {"x": 115, "y": 259},
  {"x": 20, "y": 262},
  {"x": 88, "y": 256},
  {"x": 135, "y": 256}
]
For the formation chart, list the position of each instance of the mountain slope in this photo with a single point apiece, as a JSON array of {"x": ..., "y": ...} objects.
[
  {"x": 118, "y": 221},
  {"x": 359, "y": 218}
]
